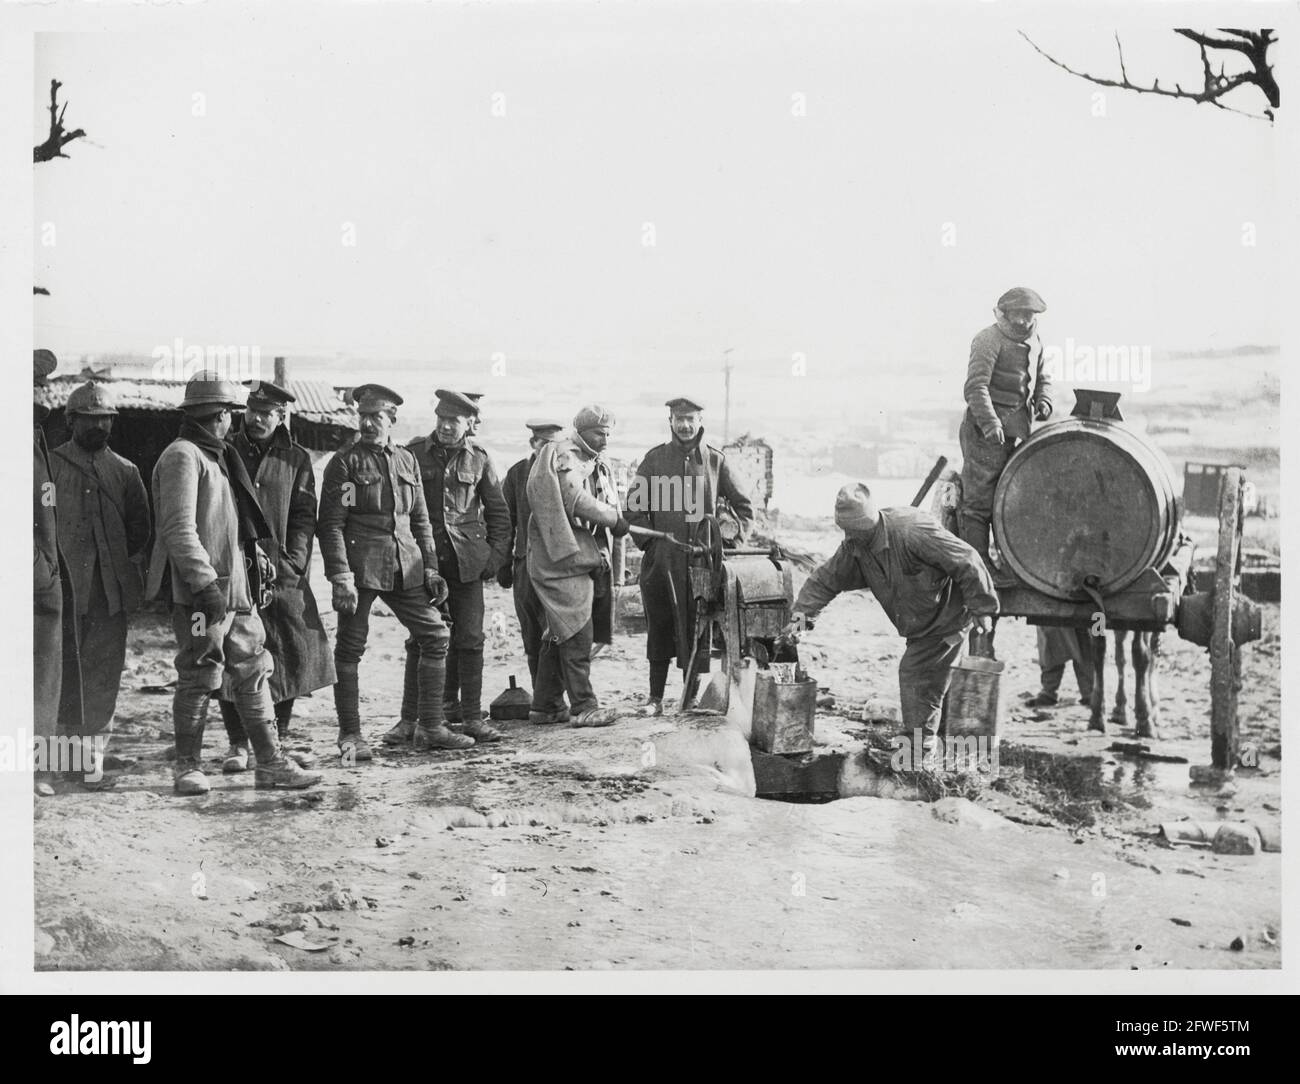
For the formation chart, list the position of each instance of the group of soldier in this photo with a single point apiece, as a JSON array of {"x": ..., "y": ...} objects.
[{"x": 422, "y": 527}]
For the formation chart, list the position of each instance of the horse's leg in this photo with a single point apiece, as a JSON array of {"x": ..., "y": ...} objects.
[
  {"x": 1097, "y": 713},
  {"x": 1146, "y": 649},
  {"x": 1120, "y": 715}
]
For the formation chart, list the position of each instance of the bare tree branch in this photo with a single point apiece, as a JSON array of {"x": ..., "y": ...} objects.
[
  {"x": 1254, "y": 46},
  {"x": 58, "y": 137}
]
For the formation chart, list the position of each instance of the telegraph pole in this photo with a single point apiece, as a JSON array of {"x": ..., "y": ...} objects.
[{"x": 726, "y": 409}]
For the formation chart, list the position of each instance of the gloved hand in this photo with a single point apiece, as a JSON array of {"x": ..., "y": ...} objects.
[
  {"x": 506, "y": 575},
  {"x": 1043, "y": 411},
  {"x": 436, "y": 586},
  {"x": 210, "y": 601},
  {"x": 621, "y": 527},
  {"x": 345, "y": 598},
  {"x": 998, "y": 436},
  {"x": 488, "y": 574}
]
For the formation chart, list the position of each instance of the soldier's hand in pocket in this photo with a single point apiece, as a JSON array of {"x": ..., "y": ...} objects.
[{"x": 211, "y": 602}]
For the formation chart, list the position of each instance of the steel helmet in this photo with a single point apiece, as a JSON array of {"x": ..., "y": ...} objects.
[
  {"x": 92, "y": 399},
  {"x": 208, "y": 389}
]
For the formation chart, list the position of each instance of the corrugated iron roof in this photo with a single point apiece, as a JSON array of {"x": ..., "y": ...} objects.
[{"x": 317, "y": 401}]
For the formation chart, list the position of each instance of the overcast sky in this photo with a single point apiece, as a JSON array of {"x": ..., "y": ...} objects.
[{"x": 212, "y": 199}]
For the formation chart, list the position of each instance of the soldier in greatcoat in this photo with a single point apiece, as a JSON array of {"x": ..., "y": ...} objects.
[
  {"x": 513, "y": 574},
  {"x": 282, "y": 477},
  {"x": 54, "y": 624},
  {"x": 208, "y": 565},
  {"x": 677, "y": 483},
  {"x": 104, "y": 527}
]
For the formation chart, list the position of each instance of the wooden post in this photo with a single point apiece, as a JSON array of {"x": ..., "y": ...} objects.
[
  {"x": 281, "y": 373},
  {"x": 1225, "y": 655}
]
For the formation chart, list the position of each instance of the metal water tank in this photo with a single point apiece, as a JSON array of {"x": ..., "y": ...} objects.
[{"x": 1085, "y": 500}]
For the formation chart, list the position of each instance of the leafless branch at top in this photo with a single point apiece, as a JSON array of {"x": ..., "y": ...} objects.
[
  {"x": 58, "y": 137},
  {"x": 1253, "y": 44}
]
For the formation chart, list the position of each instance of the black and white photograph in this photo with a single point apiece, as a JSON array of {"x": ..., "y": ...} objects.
[{"x": 735, "y": 494}]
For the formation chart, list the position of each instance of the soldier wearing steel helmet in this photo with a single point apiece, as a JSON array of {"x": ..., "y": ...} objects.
[
  {"x": 377, "y": 542},
  {"x": 206, "y": 562},
  {"x": 104, "y": 527},
  {"x": 1007, "y": 389}
]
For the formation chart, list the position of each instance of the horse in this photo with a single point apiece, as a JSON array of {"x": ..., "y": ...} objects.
[{"x": 1146, "y": 656}]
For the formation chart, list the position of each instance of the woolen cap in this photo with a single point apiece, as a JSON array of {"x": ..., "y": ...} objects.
[
  {"x": 592, "y": 417},
  {"x": 1021, "y": 297},
  {"x": 851, "y": 504}
]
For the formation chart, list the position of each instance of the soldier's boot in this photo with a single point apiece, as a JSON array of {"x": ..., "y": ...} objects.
[
  {"x": 274, "y": 768},
  {"x": 431, "y": 731},
  {"x": 347, "y": 705},
  {"x": 402, "y": 733},
  {"x": 451, "y": 706},
  {"x": 298, "y": 750},
  {"x": 236, "y": 758},
  {"x": 189, "y": 716},
  {"x": 471, "y": 700}
]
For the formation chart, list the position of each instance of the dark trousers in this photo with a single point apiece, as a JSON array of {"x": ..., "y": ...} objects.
[
  {"x": 102, "y": 640},
  {"x": 565, "y": 667},
  {"x": 412, "y": 608},
  {"x": 532, "y": 618},
  {"x": 1056, "y": 647},
  {"x": 235, "y": 725},
  {"x": 464, "y": 681},
  {"x": 924, "y": 673},
  {"x": 982, "y": 463}
]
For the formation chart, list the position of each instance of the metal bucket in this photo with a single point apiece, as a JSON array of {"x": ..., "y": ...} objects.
[
  {"x": 973, "y": 704},
  {"x": 784, "y": 713}
]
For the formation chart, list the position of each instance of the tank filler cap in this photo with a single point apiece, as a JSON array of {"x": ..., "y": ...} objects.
[{"x": 1096, "y": 405}]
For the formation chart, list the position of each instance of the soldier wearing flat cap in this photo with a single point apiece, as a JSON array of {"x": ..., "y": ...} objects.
[
  {"x": 377, "y": 542},
  {"x": 677, "y": 483},
  {"x": 295, "y": 635},
  {"x": 104, "y": 527},
  {"x": 513, "y": 573},
  {"x": 1007, "y": 389},
  {"x": 475, "y": 397},
  {"x": 574, "y": 527},
  {"x": 207, "y": 562},
  {"x": 471, "y": 532}
]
